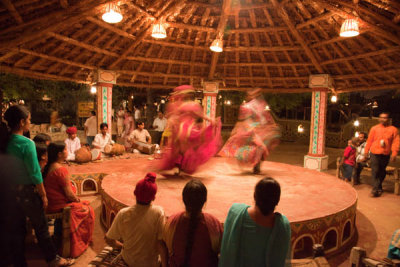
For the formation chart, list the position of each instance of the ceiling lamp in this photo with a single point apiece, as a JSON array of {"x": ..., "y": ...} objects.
[
  {"x": 333, "y": 98},
  {"x": 158, "y": 31},
  {"x": 217, "y": 45},
  {"x": 349, "y": 28},
  {"x": 93, "y": 89},
  {"x": 112, "y": 13}
]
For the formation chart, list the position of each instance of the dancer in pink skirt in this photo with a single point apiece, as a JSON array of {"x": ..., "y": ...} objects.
[
  {"x": 255, "y": 134},
  {"x": 194, "y": 137}
]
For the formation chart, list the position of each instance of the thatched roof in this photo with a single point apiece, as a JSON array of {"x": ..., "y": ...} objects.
[{"x": 271, "y": 44}]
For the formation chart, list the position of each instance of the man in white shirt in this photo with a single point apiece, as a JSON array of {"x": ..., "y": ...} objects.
[
  {"x": 159, "y": 125},
  {"x": 103, "y": 138},
  {"x": 120, "y": 121},
  {"x": 72, "y": 143},
  {"x": 360, "y": 157},
  {"x": 139, "y": 227},
  {"x": 140, "y": 134},
  {"x": 91, "y": 128},
  {"x": 137, "y": 113}
]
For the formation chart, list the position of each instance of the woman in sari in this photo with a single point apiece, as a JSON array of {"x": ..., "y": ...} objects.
[
  {"x": 256, "y": 235},
  {"x": 192, "y": 237},
  {"x": 193, "y": 141},
  {"x": 60, "y": 194},
  {"x": 255, "y": 134}
]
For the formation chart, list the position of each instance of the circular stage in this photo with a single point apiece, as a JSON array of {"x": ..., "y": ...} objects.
[{"x": 320, "y": 207}]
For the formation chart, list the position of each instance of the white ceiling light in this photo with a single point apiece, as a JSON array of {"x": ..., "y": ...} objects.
[
  {"x": 349, "y": 28},
  {"x": 112, "y": 13},
  {"x": 217, "y": 45},
  {"x": 159, "y": 31}
]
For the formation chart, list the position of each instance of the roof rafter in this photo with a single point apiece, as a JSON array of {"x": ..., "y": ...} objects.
[{"x": 11, "y": 8}]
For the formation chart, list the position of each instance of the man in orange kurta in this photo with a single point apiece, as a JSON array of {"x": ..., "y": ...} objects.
[{"x": 383, "y": 143}]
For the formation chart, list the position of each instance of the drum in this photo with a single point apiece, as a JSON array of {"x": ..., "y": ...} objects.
[
  {"x": 96, "y": 154},
  {"x": 118, "y": 149},
  {"x": 144, "y": 147},
  {"x": 83, "y": 155},
  {"x": 108, "y": 149}
]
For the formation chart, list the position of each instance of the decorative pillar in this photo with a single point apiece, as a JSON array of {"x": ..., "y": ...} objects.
[
  {"x": 316, "y": 158},
  {"x": 104, "y": 83},
  {"x": 210, "y": 92}
]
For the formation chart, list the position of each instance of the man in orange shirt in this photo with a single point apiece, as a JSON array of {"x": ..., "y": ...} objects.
[{"x": 383, "y": 143}]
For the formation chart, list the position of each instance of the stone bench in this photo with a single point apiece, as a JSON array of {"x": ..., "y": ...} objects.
[{"x": 389, "y": 171}]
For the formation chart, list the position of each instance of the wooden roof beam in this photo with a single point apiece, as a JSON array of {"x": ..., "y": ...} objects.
[
  {"x": 64, "y": 3},
  {"x": 38, "y": 75},
  {"x": 364, "y": 55},
  {"x": 141, "y": 10},
  {"x": 14, "y": 13},
  {"x": 168, "y": 10},
  {"x": 314, "y": 20},
  {"x": 283, "y": 14},
  {"x": 226, "y": 5},
  {"x": 83, "y": 45},
  {"x": 269, "y": 64},
  {"x": 110, "y": 27},
  {"x": 377, "y": 30},
  {"x": 54, "y": 21},
  {"x": 369, "y": 88}
]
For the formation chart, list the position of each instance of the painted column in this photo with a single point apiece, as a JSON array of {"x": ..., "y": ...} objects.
[
  {"x": 316, "y": 158},
  {"x": 104, "y": 82},
  {"x": 210, "y": 92}
]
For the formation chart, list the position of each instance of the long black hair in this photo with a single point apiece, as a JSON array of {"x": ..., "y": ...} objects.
[
  {"x": 267, "y": 195},
  {"x": 52, "y": 155},
  {"x": 194, "y": 196},
  {"x": 13, "y": 116},
  {"x": 41, "y": 149}
]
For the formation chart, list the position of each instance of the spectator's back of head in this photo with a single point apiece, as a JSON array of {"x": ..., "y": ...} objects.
[
  {"x": 267, "y": 195},
  {"x": 146, "y": 189},
  {"x": 194, "y": 196},
  {"x": 42, "y": 138}
]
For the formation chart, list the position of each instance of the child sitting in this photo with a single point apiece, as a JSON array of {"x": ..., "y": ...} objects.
[
  {"x": 72, "y": 143},
  {"x": 349, "y": 159}
]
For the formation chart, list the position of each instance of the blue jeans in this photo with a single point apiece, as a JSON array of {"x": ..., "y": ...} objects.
[
  {"x": 90, "y": 140},
  {"x": 347, "y": 171}
]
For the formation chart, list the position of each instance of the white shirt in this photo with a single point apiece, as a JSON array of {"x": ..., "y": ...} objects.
[
  {"x": 140, "y": 136},
  {"x": 139, "y": 227},
  {"x": 91, "y": 124},
  {"x": 101, "y": 141},
  {"x": 120, "y": 118},
  {"x": 72, "y": 146},
  {"x": 137, "y": 114},
  {"x": 160, "y": 123}
]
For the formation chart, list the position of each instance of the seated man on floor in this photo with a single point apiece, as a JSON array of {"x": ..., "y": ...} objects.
[
  {"x": 103, "y": 138},
  {"x": 141, "y": 139},
  {"x": 139, "y": 227},
  {"x": 72, "y": 143}
]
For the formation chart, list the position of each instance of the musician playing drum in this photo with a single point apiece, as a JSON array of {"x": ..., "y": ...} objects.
[
  {"x": 103, "y": 138},
  {"x": 141, "y": 139}
]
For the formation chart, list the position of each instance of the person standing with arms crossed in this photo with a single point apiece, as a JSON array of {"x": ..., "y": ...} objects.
[{"x": 383, "y": 142}]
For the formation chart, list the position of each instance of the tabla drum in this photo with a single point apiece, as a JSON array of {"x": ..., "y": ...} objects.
[
  {"x": 83, "y": 155},
  {"x": 108, "y": 149},
  {"x": 144, "y": 147},
  {"x": 96, "y": 154}
]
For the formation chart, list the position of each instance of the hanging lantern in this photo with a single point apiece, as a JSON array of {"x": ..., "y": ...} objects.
[
  {"x": 333, "y": 98},
  {"x": 356, "y": 123},
  {"x": 158, "y": 31},
  {"x": 349, "y": 28},
  {"x": 93, "y": 89},
  {"x": 112, "y": 13},
  {"x": 217, "y": 45}
]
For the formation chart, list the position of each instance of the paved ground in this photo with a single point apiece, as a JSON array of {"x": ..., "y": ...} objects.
[{"x": 377, "y": 218}]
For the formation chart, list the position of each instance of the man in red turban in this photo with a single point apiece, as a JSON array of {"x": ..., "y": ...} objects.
[{"x": 139, "y": 226}]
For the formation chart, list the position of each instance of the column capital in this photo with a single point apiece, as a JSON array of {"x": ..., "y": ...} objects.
[
  {"x": 210, "y": 87},
  {"x": 319, "y": 81},
  {"x": 105, "y": 76}
]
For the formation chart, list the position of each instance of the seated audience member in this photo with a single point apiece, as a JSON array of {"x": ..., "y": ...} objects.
[
  {"x": 256, "y": 235},
  {"x": 394, "y": 246},
  {"x": 193, "y": 238},
  {"x": 103, "y": 138},
  {"x": 41, "y": 151},
  {"x": 139, "y": 227},
  {"x": 140, "y": 134},
  {"x": 72, "y": 143},
  {"x": 42, "y": 138},
  {"x": 60, "y": 194}
]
